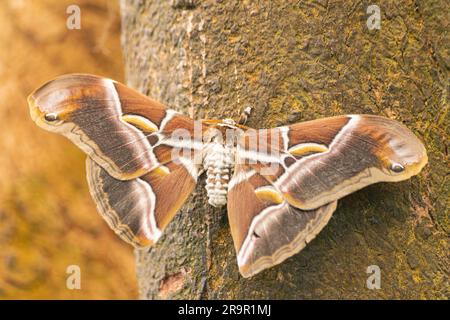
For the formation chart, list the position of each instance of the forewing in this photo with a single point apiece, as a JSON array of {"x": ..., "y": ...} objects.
[
  {"x": 111, "y": 123},
  {"x": 320, "y": 161}
]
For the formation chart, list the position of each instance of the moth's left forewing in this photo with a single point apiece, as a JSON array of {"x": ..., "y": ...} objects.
[{"x": 337, "y": 156}]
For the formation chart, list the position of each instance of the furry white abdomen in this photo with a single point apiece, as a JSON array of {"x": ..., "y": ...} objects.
[{"x": 218, "y": 163}]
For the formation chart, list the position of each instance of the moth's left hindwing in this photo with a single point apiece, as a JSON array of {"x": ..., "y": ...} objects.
[{"x": 266, "y": 229}]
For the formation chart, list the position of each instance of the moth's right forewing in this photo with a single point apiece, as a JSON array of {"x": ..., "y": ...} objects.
[{"x": 110, "y": 122}]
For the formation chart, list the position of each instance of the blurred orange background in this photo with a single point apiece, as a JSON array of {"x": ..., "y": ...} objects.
[{"x": 47, "y": 218}]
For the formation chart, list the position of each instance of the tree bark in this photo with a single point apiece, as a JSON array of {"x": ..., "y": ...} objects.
[{"x": 295, "y": 61}]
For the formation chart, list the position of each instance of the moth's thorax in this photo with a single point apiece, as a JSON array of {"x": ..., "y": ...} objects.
[{"x": 218, "y": 162}]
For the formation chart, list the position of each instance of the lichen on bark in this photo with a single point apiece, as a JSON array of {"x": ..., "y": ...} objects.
[{"x": 294, "y": 61}]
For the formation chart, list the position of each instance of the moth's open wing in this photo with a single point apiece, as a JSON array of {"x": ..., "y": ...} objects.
[
  {"x": 111, "y": 123},
  {"x": 266, "y": 229},
  {"x": 320, "y": 161},
  {"x": 141, "y": 164},
  {"x": 138, "y": 210},
  {"x": 287, "y": 180}
]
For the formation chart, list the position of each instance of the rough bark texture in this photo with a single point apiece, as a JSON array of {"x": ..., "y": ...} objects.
[{"x": 294, "y": 61}]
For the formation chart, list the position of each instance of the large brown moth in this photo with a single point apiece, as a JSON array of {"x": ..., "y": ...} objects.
[{"x": 280, "y": 185}]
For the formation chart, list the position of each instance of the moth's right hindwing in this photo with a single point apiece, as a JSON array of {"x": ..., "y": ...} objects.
[{"x": 138, "y": 210}]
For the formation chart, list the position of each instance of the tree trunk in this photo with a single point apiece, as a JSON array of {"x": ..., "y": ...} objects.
[{"x": 295, "y": 61}]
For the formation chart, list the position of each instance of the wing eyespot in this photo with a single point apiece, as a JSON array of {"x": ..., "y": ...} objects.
[
  {"x": 397, "y": 167},
  {"x": 52, "y": 118}
]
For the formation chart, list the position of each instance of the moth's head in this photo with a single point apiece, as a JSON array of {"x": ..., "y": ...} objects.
[
  {"x": 223, "y": 132},
  {"x": 229, "y": 122}
]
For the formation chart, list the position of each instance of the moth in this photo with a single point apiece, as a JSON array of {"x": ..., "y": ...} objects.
[{"x": 280, "y": 185}]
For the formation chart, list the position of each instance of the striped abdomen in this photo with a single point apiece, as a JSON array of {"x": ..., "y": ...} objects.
[{"x": 218, "y": 162}]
